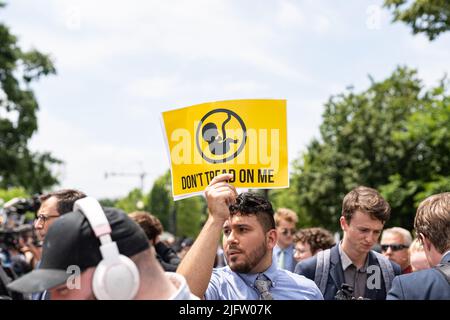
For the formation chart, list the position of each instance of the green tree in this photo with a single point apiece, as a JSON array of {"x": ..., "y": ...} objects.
[
  {"x": 182, "y": 217},
  {"x": 8, "y": 194},
  {"x": 288, "y": 198},
  {"x": 18, "y": 106},
  {"x": 107, "y": 202},
  {"x": 427, "y": 170},
  {"x": 161, "y": 203},
  {"x": 385, "y": 137},
  {"x": 134, "y": 201},
  {"x": 190, "y": 216},
  {"x": 431, "y": 17}
]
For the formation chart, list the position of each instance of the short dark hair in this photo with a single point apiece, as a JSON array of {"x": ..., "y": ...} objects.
[
  {"x": 317, "y": 238},
  {"x": 66, "y": 198},
  {"x": 148, "y": 222},
  {"x": 368, "y": 201},
  {"x": 249, "y": 203}
]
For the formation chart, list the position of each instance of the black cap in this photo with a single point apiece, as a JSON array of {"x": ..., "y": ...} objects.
[{"x": 70, "y": 241}]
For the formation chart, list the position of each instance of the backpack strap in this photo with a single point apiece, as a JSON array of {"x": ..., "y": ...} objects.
[
  {"x": 322, "y": 269},
  {"x": 444, "y": 268},
  {"x": 5, "y": 281},
  {"x": 386, "y": 270}
]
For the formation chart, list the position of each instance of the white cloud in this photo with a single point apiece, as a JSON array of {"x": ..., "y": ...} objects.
[
  {"x": 322, "y": 24},
  {"x": 244, "y": 87},
  {"x": 108, "y": 31},
  {"x": 87, "y": 160},
  {"x": 289, "y": 15},
  {"x": 157, "y": 87}
]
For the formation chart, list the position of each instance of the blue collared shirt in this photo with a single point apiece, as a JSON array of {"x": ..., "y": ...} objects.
[
  {"x": 289, "y": 262},
  {"x": 226, "y": 284}
]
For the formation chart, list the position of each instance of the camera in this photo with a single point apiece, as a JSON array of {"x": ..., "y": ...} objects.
[
  {"x": 346, "y": 293},
  {"x": 12, "y": 222},
  {"x": 21, "y": 206},
  {"x": 8, "y": 239},
  {"x": 13, "y": 212}
]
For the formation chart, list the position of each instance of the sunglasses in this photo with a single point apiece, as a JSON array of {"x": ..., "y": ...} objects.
[
  {"x": 286, "y": 232},
  {"x": 394, "y": 247}
]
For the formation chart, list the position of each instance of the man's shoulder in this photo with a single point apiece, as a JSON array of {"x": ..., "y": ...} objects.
[
  {"x": 306, "y": 265},
  {"x": 298, "y": 278},
  {"x": 306, "y": 286},
  {"x": 421, "y": 276},
  {"x": 424, "y": 284}
]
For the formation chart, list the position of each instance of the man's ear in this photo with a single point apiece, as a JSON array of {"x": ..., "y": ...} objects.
[
  {"x": 344, "y": 224},
  {"x": 426, "y": 243},
  {"x": 272, "y": 238}
]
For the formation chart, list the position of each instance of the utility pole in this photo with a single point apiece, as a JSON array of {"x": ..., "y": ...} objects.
[{"x": 141, "y": 176}]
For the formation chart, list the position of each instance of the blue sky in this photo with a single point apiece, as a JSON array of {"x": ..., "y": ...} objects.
[{"x": 121, "y": 63}]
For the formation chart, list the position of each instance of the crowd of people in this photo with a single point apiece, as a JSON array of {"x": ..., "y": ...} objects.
[{"x": 89, "y": 252}]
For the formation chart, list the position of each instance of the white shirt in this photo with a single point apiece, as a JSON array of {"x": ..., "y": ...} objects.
[{"x": 183, "y": 292}]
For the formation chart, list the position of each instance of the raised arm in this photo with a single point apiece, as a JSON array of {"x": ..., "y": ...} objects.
[{"x": 198, "y": 263}]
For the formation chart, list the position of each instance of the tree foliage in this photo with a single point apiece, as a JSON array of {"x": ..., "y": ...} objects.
[
  {"x": 134, "y": 201},
  {"x": 288, "y": 198},
  {"x": 183, "y": 217},
  {"x": 431, "y": 17},
  {"x": 394, "y": 137},
  {"x": 18, "y": 122},
  {"x": 8, "y": 194},
  {"x": 161, "y": 203},
  {"x": 108, "y": 202},
  {"x": 190, "y": 216},
  {"x": 427, "y": 131}
]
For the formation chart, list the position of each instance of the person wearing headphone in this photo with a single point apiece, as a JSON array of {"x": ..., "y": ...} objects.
[{"x": 95, "y": 254}]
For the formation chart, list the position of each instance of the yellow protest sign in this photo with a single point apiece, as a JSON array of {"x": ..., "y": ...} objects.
[{"x": 247, "y": 138}]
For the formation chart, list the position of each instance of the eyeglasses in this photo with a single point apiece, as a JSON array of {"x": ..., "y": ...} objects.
[
  {"x": 394, "y": 247},
  {"x": 286, "y": 232},
  {"x": 45, "y": 218}
]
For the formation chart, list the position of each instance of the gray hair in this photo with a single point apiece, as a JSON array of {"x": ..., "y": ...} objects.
[{"x": 405, "y": 234}]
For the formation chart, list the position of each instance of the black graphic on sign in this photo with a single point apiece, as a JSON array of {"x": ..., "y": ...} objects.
[{"x": 219, "y": 144}]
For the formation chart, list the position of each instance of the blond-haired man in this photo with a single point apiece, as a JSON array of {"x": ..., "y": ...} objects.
[{"x": 283, "y": 252}]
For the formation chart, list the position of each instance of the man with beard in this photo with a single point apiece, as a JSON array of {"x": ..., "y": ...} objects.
[{"x": 249, "y": 236}]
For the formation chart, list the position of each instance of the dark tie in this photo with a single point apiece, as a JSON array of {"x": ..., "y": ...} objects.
[{"x": 262, "y": 284}]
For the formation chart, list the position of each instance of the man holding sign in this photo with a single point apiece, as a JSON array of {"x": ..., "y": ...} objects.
[{"x": 249, "y": 236}]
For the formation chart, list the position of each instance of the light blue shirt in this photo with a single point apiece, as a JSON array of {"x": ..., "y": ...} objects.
[
  {"x": 289, "y": 262},
  {"x": 226, "y": 284}
]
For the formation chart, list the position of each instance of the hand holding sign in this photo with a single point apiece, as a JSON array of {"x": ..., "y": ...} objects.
[{"x": 219, "y": 196}]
